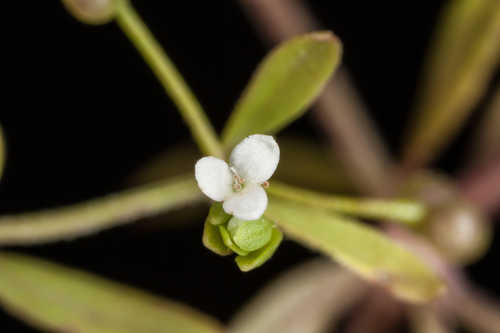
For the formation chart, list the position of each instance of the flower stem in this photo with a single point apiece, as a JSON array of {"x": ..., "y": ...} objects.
[
  {"x": 408, "y": 212},
  {"x": 175, "y": 86}
]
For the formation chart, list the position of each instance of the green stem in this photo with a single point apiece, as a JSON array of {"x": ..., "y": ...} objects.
[
  {"x": 175, "y": 86},
  {"x": 405, "y": 211}
]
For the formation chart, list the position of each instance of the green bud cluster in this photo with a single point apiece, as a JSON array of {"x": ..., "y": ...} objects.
[{"x": 254, "y": 241}]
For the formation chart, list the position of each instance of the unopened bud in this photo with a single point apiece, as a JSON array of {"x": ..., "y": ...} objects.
[
  {"x": 92, "y": 11},
  {"x": 460, "y": 231}
]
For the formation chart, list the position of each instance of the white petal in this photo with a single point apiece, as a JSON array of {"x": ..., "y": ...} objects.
[
  {"x": 256, "y": 158},
  {"x": 214, "y": 178},
  {"x": 249, "y": 204}
]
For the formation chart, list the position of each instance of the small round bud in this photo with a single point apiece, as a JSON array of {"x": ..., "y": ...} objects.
[
  {"x": 91, "y": 11},
  {"x": 460, "y": 231},
  {"x": 250, "y": 235}
]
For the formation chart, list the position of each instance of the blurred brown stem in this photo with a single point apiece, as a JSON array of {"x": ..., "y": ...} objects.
[
  {"x": 338, "y": 111},
  {"x": 380, "y": 313},
  {"x": 481, "y": 185}
]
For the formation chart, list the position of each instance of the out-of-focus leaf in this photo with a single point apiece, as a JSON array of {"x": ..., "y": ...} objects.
[
  {"x": 487, "y": 141},
  {"x": 59, "y": 299},
  {"x": 259, "y": 257},
  {"x": 308, "y": 298},
  {"x": 98, "y": 214},
  {"x": 213, "y": 241},
  {"x": 2, "y": 152},
  {"x": 359, "y": 247},
  {"x": 404, "y": 211},
  {"x": 284, "y": 85},
  {"x": 465, "y": 54}
]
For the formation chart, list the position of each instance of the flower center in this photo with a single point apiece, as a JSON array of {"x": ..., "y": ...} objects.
[{"x": 238, "y": 182}]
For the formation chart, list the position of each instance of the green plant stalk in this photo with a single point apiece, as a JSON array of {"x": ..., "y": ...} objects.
[
  {"x": 405, "y": 211},
  {"x": 98, "y": 214},
  {"x": 166, "y": 72}
]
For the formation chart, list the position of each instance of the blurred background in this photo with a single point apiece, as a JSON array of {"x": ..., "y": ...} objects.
[{"x": 82, "y": 113}]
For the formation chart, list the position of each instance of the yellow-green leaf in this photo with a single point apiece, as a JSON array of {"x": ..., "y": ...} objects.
[
  {"x": 409, "y": 212},
  {"x": 58, "y": 299},
  {"x": 359, "y": 247},
  {"x": 284, "y": 85},
  {"x": 465, "y": 53},
  {"x": 98, "y": 214}
]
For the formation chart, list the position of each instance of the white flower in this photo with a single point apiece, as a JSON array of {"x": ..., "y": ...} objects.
[{"x": 240, "y": 184}]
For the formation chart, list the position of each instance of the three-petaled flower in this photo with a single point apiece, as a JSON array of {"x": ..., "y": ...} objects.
[{"x": 240, "y": 183}]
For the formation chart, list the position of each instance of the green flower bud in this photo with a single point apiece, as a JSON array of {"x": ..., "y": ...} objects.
[
  {"x": 92, "y": 11},
  {"x": 460, "y": 231},
  {"x": 250, "y": 235},
  {"x": 217, "y": 215}
]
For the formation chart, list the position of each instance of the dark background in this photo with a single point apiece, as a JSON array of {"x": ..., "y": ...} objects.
[{"x": 81, "y": 112}]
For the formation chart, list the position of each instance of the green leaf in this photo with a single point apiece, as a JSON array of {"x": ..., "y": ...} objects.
[
  {"x": 58, "y": 299},
  {"x": 284, "y": 85},
  {"x": 361, "y": 248},
  {"x": 463, "y": 59},
  {"x": 213, "y": 241},
  {"x": 404, "y": 211},
  {"x": 94, "y": 215},
  {"x": 258, "y": 258}
]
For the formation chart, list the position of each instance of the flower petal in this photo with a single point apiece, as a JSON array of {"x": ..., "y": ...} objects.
[
  {"x": 249, "y": 204},
  {"x": 256, "y": 158},
  {"x": 214, "y": 178}
]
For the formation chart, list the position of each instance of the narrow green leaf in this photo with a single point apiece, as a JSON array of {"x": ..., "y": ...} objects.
[
  {"x": 212, "y": 240},
  {"x": 257, "y": 258},
  {"x": 465, "y": 53},
  {"x": 284, "y": 85},
  {"x": 404, "y": 211},
  {"x": 98, "y": 214},
  {"x": 361, "y": 248},
  {"x": 58, "y": 299}
]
